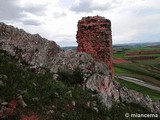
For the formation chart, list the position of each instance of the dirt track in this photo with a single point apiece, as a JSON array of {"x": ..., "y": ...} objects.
[{"x": 139, "y": 82}]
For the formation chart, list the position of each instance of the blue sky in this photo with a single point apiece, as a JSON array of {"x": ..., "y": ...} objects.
[{"x": 132, "y": 20}]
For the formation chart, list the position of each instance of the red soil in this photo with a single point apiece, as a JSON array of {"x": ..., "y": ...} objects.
[
  {"x": 141, "y": 52},
  {"x": 120, "y": 60},
  {"x": 143, "y": 58},
  {"x": 31, "y": 117}
]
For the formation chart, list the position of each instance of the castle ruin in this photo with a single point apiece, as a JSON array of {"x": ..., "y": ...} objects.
[{"x": 94, "y": 37}]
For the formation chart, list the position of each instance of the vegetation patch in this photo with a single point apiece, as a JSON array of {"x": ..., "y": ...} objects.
[
  {"x": 72, "y": 78},
  {"x": 48, "y": 99}
]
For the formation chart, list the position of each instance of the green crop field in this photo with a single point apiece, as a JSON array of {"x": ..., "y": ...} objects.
[
  {"x": 146, "y": 70},
  {"x": 138, "y": 68},
  {"x": 118, "y": 55},
  {"x": 146, "y": 48}
]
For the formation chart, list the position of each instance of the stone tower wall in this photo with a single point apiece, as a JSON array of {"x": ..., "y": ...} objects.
[{"x": 94, "y": 37}]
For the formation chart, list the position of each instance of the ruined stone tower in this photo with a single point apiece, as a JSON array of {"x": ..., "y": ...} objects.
[{"x": 94, "y": 37}]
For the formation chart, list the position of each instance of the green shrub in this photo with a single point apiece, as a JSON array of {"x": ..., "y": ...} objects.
[{"x": 72, "y": 78}]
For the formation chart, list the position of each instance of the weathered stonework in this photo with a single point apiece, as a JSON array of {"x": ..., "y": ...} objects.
[{"x": 94, "y": 37}]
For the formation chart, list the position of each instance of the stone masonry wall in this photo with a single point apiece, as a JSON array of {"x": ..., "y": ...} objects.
[{"x": 94, "y": 37}]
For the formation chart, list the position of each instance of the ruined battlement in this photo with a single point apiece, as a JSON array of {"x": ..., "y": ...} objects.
[{"x": 94, "y": 36}]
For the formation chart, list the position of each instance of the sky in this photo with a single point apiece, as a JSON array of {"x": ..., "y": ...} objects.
[{"x": 133, "y": 21}]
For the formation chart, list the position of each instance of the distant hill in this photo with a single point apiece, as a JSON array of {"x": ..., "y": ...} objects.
[
  {"x": 132, "y": 45},
  {"x": 129, "y": 45},
  {"x": 71, "y": 47}
]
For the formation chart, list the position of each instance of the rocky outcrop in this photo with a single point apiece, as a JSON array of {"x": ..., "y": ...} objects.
[
  {"x": 96, "y": 77},
  {"x": 38, "y": 51},
  {"x": 33, "y": 49},
  {"x": 95, "y": 74},
  {"x": 125, "y": 95},
  {"x": 94, "y": 37}
]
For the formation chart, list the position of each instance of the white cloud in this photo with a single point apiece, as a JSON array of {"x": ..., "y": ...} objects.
[
  {"x": 132, "y": 20},
  {"x": 9, "y": 10},
  {"x": 90, "y": 6},
  {"x": 138, "y": 19}
]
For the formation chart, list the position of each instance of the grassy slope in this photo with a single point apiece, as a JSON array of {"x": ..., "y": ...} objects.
[
  {"x": 153, "y": 94},
  {"x": 41, "y": 92}
]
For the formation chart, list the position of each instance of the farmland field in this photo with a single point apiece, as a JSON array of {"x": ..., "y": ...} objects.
[{"x": 146, "y": 69}]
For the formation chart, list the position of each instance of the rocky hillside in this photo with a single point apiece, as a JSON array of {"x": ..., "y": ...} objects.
[
  {"x": 33, "y": 49},
  {"x": 29, "y": 93},
  {"x": 40, "y": 81},
  {"x": 43, "y": 53}
]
